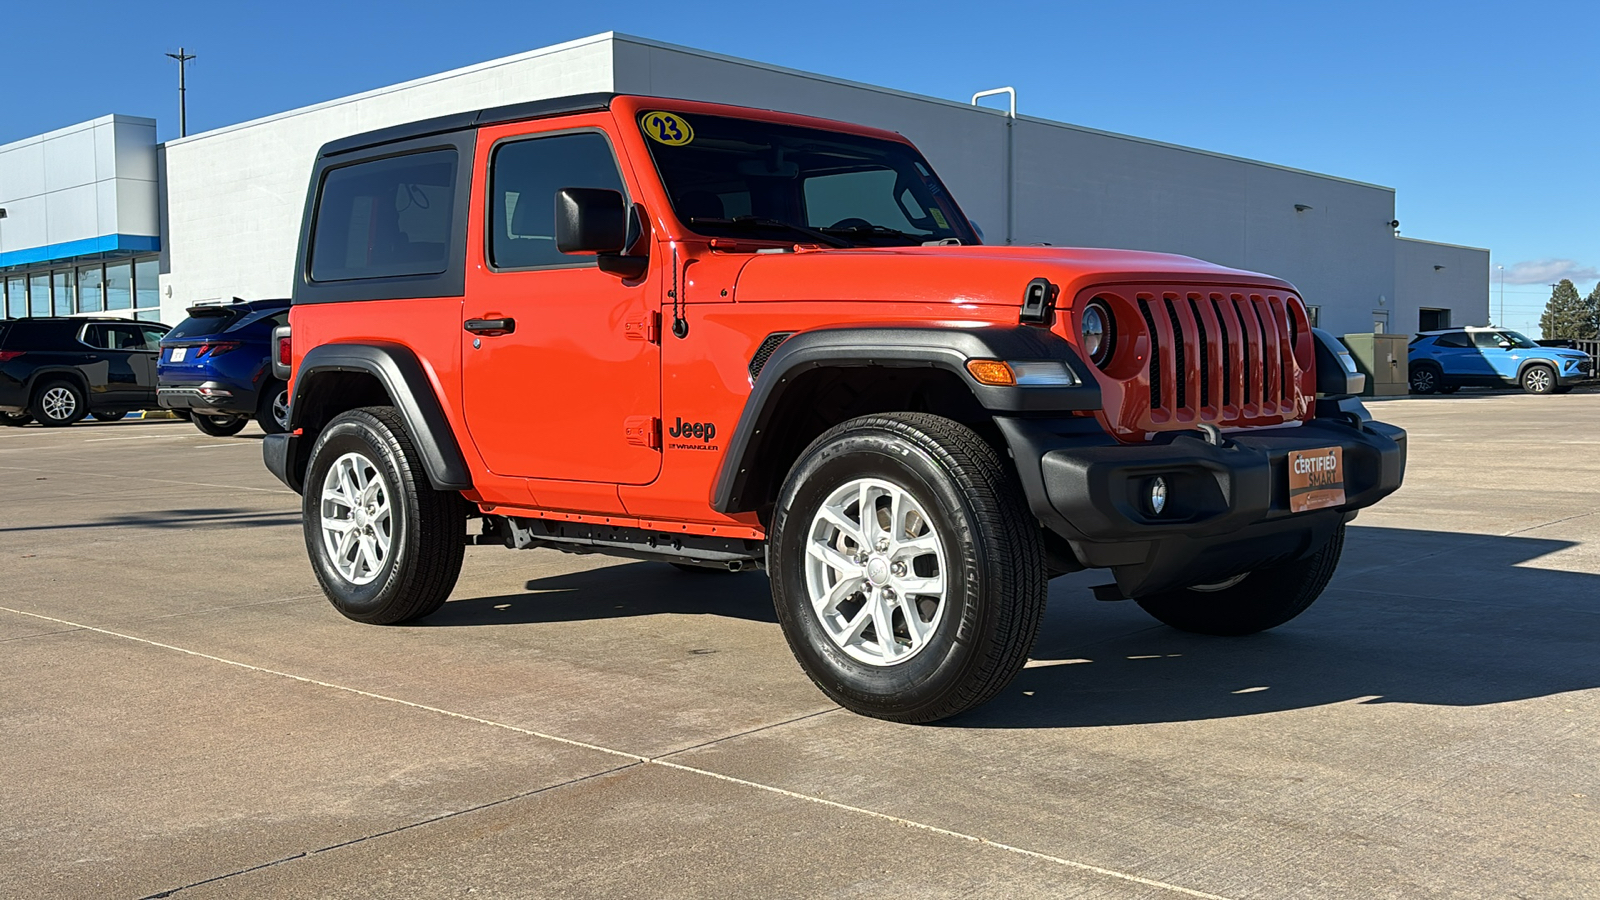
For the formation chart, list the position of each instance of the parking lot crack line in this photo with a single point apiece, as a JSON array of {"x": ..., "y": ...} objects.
[
  {"x": 1547, "y": 524},
  {"x": 659, "y": 761},
  {"x": 756, "y": 730},
  {"x": 396, "y": 830},
  {"x": 23, "y": 637}
]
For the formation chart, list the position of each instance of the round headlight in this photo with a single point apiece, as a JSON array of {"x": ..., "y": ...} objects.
[{"x": 1098, "y": 333}]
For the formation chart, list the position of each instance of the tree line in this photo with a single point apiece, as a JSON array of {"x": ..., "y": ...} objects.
[{"x": 1567, "y": 315}]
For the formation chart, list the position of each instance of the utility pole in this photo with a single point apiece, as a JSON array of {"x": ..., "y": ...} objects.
[
  {"x": 183, "y": 106},
  {"x": 1502, "y": 295}
]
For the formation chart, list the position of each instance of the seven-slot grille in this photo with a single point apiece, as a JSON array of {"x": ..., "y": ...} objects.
[{"x": 1218, "y": 356}]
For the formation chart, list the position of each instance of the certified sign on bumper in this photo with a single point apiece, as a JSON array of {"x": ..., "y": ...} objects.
[{"x": 1316, "y": 479}]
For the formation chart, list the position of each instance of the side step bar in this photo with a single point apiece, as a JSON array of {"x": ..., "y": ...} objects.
[{"x": 734, "y": 554}]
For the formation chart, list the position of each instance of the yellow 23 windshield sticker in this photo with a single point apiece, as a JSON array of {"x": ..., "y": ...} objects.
[{"x": 666, "y": 128}]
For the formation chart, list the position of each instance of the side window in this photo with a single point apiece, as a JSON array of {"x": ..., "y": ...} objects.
[
  {"x": 1487, "y": 340},
  {"x": 524, "y": 177},
  {"x": 97, "y": 336},
  {"x": 1456, "y": 339},
  {"x": 385, "y": 217},
  {"x": 152, "y": 337}
]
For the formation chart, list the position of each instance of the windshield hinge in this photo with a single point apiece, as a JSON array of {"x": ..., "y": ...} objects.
[{"x": 1039, "y": 302}]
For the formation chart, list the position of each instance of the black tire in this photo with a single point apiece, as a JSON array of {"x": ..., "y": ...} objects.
[
  {"x": 427, "y": 526},
  {"x": 14, "y": 420},
  {"x": 109, "y": 416},
  {"x": 1538, "y": 379},
  {"x": 220, "y": 426},
  {"x": 58, "y": 403},
  {"x": 994, "y": 576},
  {"x": 1426, "y": 379},
  {"x": 1265, "y": 598},
  {"x": 273, "y": 410}
]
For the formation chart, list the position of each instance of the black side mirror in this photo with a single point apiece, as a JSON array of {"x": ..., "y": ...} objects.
[
  {"x": 590, "y": 220},
  {"x": 595, "y": 220}
]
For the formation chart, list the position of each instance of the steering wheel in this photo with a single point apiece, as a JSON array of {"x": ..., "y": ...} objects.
[{"x": 852, "y": 223}]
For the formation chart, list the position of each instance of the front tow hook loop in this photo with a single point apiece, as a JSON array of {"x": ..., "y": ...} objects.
[{"x": 1213, "y": 433}]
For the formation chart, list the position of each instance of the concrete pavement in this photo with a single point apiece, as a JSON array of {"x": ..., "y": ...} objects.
[{"x": 182, "y": 714}]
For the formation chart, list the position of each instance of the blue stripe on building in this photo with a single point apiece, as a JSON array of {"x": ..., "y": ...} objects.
[{"x": 69, "y": 250}]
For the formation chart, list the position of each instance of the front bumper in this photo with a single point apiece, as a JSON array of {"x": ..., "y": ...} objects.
[
  {"x": 1227, "y": 504},
  {"x": 1581, "y": 373}
]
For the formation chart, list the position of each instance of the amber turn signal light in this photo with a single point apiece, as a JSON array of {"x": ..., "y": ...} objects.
[{"x": 991, "y": 371}]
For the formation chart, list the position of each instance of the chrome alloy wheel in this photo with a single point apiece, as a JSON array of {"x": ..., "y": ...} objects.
[
  {"x": 875, "y": 572},
  {"x": 280, "y": 409},
  {"x": 357, "y": 519},
  {"x": 1538, "y": 380},
  {"x": 59, "y": 403}
]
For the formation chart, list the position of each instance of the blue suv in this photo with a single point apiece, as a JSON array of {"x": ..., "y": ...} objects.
[
  {"x": 216, "y": 366},
  {"x": 1443, "y": 361}
]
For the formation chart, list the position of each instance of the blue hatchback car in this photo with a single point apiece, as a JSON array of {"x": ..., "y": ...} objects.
[
  {"x": 1443, "y": 361},
  {"x": 217, "y": 366}
]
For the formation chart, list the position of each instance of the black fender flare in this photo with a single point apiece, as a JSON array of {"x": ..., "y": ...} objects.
[
  {"x": 1525, "y": 365},
  {"x": 898, "y": 346},
  {"x": 410, "y": 390}
]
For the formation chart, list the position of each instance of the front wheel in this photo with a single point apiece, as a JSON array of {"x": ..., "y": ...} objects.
[
  {"x": 386, "y": 546},
  {"x": 907, "y": 572},
  {"x": 220, "y": 426},
  {"x": 1256, "y": 601},
  {"x": 1539, "y": 380}
]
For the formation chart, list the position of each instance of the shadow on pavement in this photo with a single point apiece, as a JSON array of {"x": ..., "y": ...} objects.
[
  {"x": 629, "y": 589},
  {"x": 176, "y": 518},
  {"x": 1446, "y": 620},
  {"x": 1412, "y": 617}
]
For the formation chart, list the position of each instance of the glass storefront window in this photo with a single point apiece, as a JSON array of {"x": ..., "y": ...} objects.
[
  {"x": 119, "y": 285},
  {"x": 16, "y": 297},
  {"x": 146, "y": 283},
  {"x": 63, "y": 286},
  {"x": 89, "y": 289},
  {"x": 39, "y": 294}
]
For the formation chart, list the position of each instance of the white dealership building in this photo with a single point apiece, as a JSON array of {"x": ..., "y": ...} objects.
[{"x": 98, "y": 216}]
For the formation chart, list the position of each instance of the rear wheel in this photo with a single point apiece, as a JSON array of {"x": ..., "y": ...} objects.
[
  {"x": 1426, "y": 379},
  {"x": 220, "y": 426},
  {"x": 15, "y": 420},
  {"x": 272, "y": 412},
  {"x": 1539, "y": 380},
  {"x": 58, "y": 403},
  {"x": 1256, "y": 601},
  {"x": 109, "y": 416},
  {"x": 386, "y": 547},
  {"x": 907, "y": 573}
]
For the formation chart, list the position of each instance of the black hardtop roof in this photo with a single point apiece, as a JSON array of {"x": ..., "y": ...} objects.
[{"x": 536, "y": 109}]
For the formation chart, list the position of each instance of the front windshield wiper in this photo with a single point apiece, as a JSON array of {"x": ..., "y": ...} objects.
[
  {"x": 760, "y": 222},
  {"x": 886, "y": 231}
]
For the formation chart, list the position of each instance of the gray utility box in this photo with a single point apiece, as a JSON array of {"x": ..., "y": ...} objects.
[{"x": 1382, "y": 358}]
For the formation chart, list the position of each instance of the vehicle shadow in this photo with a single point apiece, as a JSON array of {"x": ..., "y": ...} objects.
[
  {"x": 628, "y": 589},
  {"x": 176, "y": 518},
  {"x": 1413, "y": 617}
]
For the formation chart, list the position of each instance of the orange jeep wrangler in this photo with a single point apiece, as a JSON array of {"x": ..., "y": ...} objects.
[{"x": 737, "y": 339}]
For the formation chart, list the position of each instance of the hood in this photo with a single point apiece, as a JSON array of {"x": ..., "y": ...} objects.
[
  {"x": 969, "y": 275},
  {"x": 1564, "y": 352}
]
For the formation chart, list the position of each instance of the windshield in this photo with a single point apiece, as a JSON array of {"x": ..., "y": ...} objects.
[
  {"x": 1519, "y": 341},
  {"x": 1491, "y": 340},
  {"x": 741, "y": 178}
]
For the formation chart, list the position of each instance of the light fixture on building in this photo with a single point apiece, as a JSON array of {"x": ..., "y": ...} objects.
[
  {"x": 1393, "y": 223},
  {"x": 1438, "y": 268},
  {"x": 1301, "y": 207},
  {"x": 2, "y": 212}
]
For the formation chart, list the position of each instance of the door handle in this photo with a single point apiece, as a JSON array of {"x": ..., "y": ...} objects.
[{"x": 490, "y": 327}]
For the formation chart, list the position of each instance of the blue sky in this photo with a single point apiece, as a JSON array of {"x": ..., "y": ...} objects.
[{"x": 1482, "y": 115}]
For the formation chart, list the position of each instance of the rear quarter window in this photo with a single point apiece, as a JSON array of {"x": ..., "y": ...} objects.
[{"x": 385, "y": 217}]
